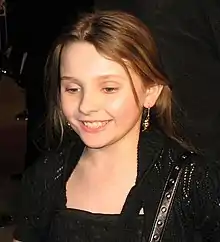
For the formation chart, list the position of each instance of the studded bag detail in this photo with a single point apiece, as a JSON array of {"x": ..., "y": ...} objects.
[{"x": 167, "y": 199}]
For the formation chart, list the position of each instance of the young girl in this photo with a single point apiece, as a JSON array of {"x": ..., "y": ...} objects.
[{"x": 125, "y": 176}]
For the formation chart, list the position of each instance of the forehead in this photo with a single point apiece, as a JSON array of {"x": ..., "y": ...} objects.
[{"x": 82, "y": 60}]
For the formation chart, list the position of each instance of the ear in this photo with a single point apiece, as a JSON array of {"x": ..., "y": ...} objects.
[{"x": 152, "y": 94}]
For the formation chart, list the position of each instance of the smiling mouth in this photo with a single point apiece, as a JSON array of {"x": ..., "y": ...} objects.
[{"x": 95, "y": 124}]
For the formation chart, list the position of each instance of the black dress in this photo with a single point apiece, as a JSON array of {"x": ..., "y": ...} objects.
[{"x": 194, "y": 216}]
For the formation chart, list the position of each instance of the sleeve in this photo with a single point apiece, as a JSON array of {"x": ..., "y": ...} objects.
[
  {"x": 37, "y": 203},
  {"x": 206, "y": 202}
]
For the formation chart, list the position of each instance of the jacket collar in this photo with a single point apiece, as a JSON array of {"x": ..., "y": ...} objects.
[{"x": 151, "y": 146}]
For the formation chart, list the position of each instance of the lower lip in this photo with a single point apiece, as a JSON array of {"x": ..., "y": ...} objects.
[{"x": 92, "y": 130}]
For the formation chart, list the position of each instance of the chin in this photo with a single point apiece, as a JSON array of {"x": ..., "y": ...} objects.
[{"x": 96, "y": 144}]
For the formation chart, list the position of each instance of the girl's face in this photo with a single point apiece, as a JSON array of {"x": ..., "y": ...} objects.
[{"x": 97, "y": 98}]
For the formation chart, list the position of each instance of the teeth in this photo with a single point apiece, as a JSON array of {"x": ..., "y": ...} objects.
[{"x": 95, "y": 125}]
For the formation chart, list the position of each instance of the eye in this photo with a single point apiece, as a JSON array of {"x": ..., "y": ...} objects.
[
  {"x": 110, "y": 89},
  {"x": 72, "y": 90}
]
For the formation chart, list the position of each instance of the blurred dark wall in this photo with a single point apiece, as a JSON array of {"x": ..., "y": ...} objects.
[{"x": 35, "y": 24}]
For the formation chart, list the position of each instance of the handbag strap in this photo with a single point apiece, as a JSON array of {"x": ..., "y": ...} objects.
[{"x": 167, "y": 200}]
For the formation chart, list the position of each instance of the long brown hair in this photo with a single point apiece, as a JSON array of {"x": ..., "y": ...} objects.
[{"x": 118, "y": 36}]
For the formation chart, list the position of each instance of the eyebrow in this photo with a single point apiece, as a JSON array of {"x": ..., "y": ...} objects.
[
  {"x": 110, "y": 76},
  {"x": 102, "y": 77},
  {"x": 68, "y": 78}
]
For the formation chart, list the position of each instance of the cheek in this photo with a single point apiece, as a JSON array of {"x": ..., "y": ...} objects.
[
  {"x": 67, "y": 105},
  {"x": 123, "y": 107}
]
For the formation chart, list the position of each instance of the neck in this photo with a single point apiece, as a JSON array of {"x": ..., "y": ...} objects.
[{"x": 122, "y": 152}]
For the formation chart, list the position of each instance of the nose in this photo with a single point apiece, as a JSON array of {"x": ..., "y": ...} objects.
[{"x": 89, "y": 103}]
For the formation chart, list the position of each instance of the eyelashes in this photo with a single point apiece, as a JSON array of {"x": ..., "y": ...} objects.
[
  {"x": 72, "y": 90},
  {"x": 107, "y": 90},
  {"x": 110, "y": 90}
]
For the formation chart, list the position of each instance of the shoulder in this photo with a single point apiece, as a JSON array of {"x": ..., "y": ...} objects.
[
  {"x": 41, "y": 180},
  {"x": 199, "y": 188},
  {"x": 200, "y": 164},
  {"x": 38, "y": 197},
  {"x": 198, "y": 194},
  {"x": 41, "y": 192},
  {"x": 200, "y": 173},
  {"x": 45, "y": 167},
  {"x": 52, "y": 165},
  {"x": 204, "y": 174}
]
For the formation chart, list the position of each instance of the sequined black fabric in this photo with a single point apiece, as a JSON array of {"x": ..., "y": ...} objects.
[{"x": 195, "y": 214}]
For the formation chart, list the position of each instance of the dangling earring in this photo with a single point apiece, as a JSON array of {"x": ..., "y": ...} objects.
[
  {"x": 68, "y": 125},
  {"x": 146, "y": 122}
]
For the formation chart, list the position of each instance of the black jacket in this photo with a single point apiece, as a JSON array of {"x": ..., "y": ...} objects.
[
  {"x": 194, "y": 216},
  {"x": 187, "y": 33}
]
